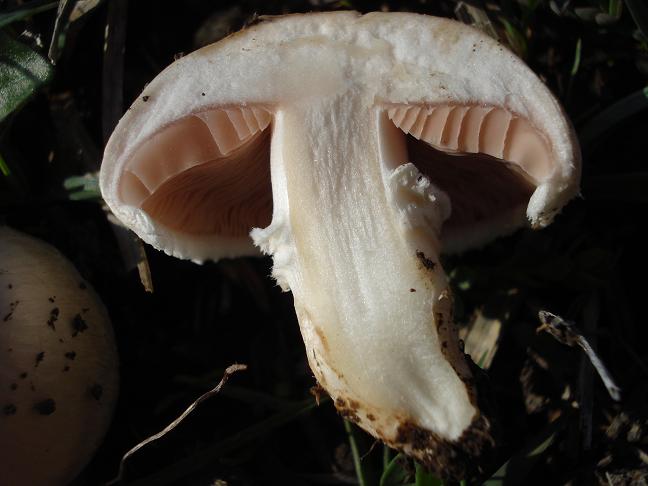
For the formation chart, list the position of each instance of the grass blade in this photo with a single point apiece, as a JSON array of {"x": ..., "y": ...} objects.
[
  {"x": 515, "y": 38},
  {"x": 577, "y": 57},
  {"x": 594, "y": 130},
  {"x": 424, "y": 478},
  {"x": 639, "y": 12},
  {"x": 26, "y": 10},
  {"x": 393, "y": 472},
  {"x": 516, "y": 469},
  {"x": 4, "y": 168},
  {"x": 355, "y": 452},
  {"x": 83, "y": 187},
  {"x": 68, "y": 12},
  {"x": 22, "y": 72}
]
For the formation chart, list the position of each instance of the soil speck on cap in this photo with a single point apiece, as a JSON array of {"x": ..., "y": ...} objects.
[
  {"x": 39, "y": 357},
  {"x": 53, "y": 317},
  {"x": 13, "y": 386},
  {"x": 52, "y": 298},
  {"x": 9, "y": 409},
  {"x": 23, "y": 375},
  {"x": 78, "y": 325},
  {"x": 70, "y": 355},
  {"x": 12, "y": 308},
  {"x": 45, "y": 407},
  {"x": 412, "y": 290},
  {"x": 10, "y": 286},
  {"x": 96, "y": 391},
  {"x": 66, "y": 368},
  {"x": 145, "y": 98}
]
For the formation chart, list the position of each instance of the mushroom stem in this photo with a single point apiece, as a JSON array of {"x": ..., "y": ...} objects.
[{"x": 370, "y": 294}]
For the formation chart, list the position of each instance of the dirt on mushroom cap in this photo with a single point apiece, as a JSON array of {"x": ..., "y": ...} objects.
[{"x": 52, "y": 364}]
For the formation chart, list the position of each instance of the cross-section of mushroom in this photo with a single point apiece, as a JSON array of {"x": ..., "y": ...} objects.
[
  {"x": 207, "y": 173},
  {"x": 354, "y": 150}
]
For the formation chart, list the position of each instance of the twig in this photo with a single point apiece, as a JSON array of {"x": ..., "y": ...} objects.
[
  {"x": 173, "y": 473},
  {"x": 567, "y": 333},
  {"x": 228, "y": 372},
  {"x": 113, "y": 67}
]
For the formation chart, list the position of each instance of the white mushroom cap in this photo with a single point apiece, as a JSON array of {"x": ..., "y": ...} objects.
[
  {"x": 58, "y": 365},
  {"x": 388, "y": 138}
]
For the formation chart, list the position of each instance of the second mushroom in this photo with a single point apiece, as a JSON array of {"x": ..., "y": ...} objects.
[{"x": 354, "y": 150}]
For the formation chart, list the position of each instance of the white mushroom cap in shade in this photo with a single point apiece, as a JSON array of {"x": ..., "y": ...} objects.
[
  {"x": 58, "y": 365},
  {"x": 354, "y": 149}
]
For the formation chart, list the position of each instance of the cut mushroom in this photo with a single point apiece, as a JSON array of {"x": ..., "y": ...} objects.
[{"x": 388, "y": 138}]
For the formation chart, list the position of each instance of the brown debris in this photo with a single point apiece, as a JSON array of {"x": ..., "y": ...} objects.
[
  {"x": 53, "y": 317},
  {"x": 9, "y": 409},
  {"x": 45, "y": 407},
  {"x": 78, "y": 325},
  {"x": 426, "y": 262},
  {"x": 449, "y": 460},
  {"x": 96, "y": 391},
  {"x": 317, "y": 391},
  {"x": 12, "y": 308},
  {"x": 348, "y": 409},
  {"x": 322, "y": 337}
]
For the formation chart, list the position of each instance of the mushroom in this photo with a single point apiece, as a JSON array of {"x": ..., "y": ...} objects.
[
  {"x": 58, "y": 365},
  {"x": 354, "y": 149}
]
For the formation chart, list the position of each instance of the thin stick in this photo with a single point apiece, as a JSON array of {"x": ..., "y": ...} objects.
[
  {"x": 608, "y": 381},
  {"x": 228, "y": 372},
  {"x": 567, "y": 333}
]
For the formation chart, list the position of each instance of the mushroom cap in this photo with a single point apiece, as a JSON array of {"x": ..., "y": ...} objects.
[
  {"x": 187, "y": 167},
  {"x": 58, "y": 365}
]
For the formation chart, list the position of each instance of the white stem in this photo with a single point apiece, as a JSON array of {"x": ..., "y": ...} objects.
[{"x": 363, "y": 268}]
